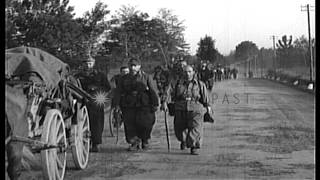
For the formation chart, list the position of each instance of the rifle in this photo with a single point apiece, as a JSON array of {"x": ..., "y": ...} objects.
[{"x": 80, "y": 93}]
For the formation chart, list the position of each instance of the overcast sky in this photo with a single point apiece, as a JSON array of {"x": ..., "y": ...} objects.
[{"x": 229, "y": 22}]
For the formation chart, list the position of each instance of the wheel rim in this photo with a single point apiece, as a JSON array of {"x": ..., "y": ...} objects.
[
  {"x": 53, "y": 133},
  {"x": 81, "y": 131}
]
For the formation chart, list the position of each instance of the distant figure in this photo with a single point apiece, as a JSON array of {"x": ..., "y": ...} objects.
[
  {"x": 205, "y": 75},
  {"x": 234, "y": 73}
]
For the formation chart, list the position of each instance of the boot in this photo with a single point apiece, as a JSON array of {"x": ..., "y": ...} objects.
[
  {"x": 146, "y": 146},
  {"x": 94, "y": 148},
  {"x": 134, "y": 146},
  {"x": 183, "y": 146},
  {"x": 194, "y": 151}
]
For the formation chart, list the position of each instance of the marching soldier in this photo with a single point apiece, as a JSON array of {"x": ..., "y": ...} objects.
[
  {"x": 94, "y": 82},
  {"x": 123, "y": 71},
  {"x": 190, "y": 99},
  {"x": 139, "y": 102},
  {"x": 205, "y": 75}
]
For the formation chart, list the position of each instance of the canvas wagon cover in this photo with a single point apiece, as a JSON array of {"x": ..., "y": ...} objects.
[{"x": 22, "y": 60}]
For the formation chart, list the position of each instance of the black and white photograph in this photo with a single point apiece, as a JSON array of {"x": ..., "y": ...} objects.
[{"x": 160, "y": 89}]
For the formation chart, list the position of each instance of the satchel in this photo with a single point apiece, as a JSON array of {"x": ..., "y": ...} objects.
[
  {"x": 208, "y": 118},
  {"x": 171, "y": 109}
]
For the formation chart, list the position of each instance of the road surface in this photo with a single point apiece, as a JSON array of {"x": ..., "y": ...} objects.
[{"x": 262, "y": 130}]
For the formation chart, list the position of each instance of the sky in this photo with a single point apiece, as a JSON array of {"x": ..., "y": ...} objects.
[{"x": 229, "y": 22}]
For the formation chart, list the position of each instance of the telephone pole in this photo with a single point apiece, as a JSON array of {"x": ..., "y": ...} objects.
[
  {"x": 274, "y": 53},
  {"x": 307, "y": 8}
]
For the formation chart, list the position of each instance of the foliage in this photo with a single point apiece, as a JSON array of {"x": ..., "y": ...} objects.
[
  {"x": 206, "y": 49},
  {"x": 94, "y": 28},
  {"x": 174, "y": 43},
  {"x": 135, "y": 34},
  {"x": 48, "y": 25},
  {"x": 245, "y": 50},
  {"x": 284, "y": 52}
]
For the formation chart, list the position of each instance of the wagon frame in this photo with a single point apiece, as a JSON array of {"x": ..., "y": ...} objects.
[{"x": 58, "y": 122}]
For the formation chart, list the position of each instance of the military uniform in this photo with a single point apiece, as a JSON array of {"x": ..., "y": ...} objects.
[
  {"x": 190, "y": 98},
  {"x": 94, "y": 82},
  {"x": 138, "y": 100},
  {"x": 116, "y": 79},
  {"x": 205, "y": 75}
]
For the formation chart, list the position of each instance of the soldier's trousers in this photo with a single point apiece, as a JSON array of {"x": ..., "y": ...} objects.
[
  {"x": 96, "y": 119},
  {"x": 138, "y": 124},
  {"x": 188, "y": 127}
]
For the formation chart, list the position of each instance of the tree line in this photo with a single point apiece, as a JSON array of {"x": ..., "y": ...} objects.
[{"x": 51, "y": 26}]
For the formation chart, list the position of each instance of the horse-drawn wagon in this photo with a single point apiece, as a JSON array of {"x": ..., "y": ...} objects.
[{"x": 45, "y": 112}]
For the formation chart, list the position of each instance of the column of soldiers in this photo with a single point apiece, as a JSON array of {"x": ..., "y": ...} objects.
[
  {"x": 212, "y": 74},
  {"x": 137, "y": 99}
]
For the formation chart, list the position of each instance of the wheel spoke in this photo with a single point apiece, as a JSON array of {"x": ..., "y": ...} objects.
[
  {"x": 80, "y": 154},
  {"x": 53, "y": 165},
  {"x": 85, "y": 129},
  {"x": 60, "y": 128},
  {"x": 85, "y": 122},
  {"x": 59, "y": 137},
  {"x": 85, "y": 153},
  {"x": 59, "y": 163},
  {"x": 83, "y": 156},
  {"x": 57, "y": 172},
  {"x": 52, "y": 136},
  {"x": 86, "y": 140}
]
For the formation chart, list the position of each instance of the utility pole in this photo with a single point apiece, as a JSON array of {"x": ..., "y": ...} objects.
[
  {"x": 307, "y": 8},
  {"x": 255, "y": 65},
  {"x": 261, "y": 63},
  {"x": 274, "y": 53}
]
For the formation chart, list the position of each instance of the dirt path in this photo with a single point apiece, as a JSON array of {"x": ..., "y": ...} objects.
[{"x": 262, "y": 130}]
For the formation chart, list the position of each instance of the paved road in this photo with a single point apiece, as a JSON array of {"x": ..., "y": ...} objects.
[{"x": 262, "y": 130}]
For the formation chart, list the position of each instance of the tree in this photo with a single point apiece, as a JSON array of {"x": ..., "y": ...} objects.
[
  {"x": 174, "y": 43},
  {"x": 284, "y": 51},
  {"x": 301, "y": 50},
  {"x": 94, "y": 29},
  {"x": 206, "y": 49},
  {"x": 48, "y": 25},
  {"x": 135, "y": 34},
  {"x": 246, "y": 50}
]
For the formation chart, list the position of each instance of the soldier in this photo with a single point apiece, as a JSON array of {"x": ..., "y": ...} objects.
[
  {"x": 235, "y": 72},
  {"x": 138, "y": 102},
  {"x": 205, "y": 75},
  {"x": 115, "y": 82},
  {"x": 116, "y": 78},
  {"x": 219, "y": 72},
  {"x": 94, "y": 82},
  {"x": 191, "y": 98}
]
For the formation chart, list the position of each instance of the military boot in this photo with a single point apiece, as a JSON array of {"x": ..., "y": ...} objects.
[{"x": 135, "y": 146}]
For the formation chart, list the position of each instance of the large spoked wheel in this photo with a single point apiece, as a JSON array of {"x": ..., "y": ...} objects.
[
  {"x": 54, "y": 134},
  {"x": 111, "y": 122},
  {"x": 81, "y": 136}
]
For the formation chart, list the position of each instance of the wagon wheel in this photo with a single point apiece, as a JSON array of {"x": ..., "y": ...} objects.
[
  {"x": 111, "y": 122},
  {"x": 53, "y": 133},
  {"x": 80, "y": 133}
]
